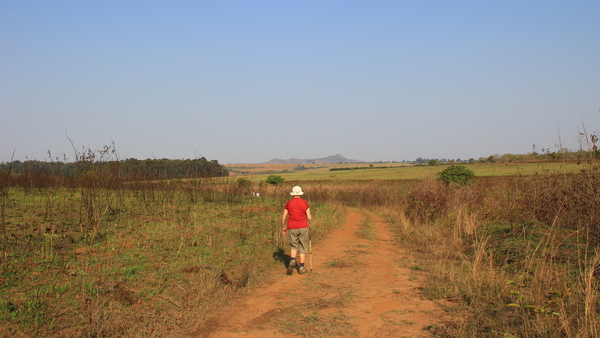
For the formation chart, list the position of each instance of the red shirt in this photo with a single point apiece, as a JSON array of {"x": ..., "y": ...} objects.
[{"x": 296, "y": 208}]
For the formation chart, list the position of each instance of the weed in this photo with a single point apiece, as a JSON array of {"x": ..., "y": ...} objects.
[
  {"x": 366, "y": 228},
  {"x": 339, "y": 264},
  {"x": 131, "y": 270},
  {"x": 315, "y": 324}
]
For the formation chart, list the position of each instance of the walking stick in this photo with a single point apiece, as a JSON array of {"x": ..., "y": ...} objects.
[{"x": 310, "y": 247}]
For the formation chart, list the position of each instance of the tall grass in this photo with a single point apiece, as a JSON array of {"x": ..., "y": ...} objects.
[{"x": 519, "y": 255}]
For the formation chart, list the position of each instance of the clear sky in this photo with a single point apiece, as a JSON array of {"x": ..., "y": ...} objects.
[{"x": 248, "y": 81}]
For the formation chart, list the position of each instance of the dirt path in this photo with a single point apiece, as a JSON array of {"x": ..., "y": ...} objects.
[{"x": 358, "y": 287}]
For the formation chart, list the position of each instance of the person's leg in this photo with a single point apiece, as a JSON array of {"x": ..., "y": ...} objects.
[
  {"x": 294, "y": 243},
  {"x": 304, "y": 238},
  {"x": 293, "y": 251}
]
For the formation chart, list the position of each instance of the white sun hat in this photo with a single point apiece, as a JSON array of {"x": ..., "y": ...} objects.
[{"x": 296, "y": 191}]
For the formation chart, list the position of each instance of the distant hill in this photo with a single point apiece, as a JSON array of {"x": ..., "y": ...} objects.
[{"x": 329, "y": 159}]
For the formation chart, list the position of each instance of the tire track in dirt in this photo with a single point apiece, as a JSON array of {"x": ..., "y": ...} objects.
[{"x": 358, "y": 287}]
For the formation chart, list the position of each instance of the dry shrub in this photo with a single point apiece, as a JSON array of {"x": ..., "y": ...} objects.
[
  {"x": 428, "y": 201},
  {"x": 518, "y": 254},
  {"x": 442, "y": 211},
  {"x": 362, "y": 194},
  {"x": 566, "y": 200}
]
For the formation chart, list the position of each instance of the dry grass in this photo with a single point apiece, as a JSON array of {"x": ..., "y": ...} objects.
[
  {"x": 366, "y": 228},
  {"x": 517, "y": 254},
  {"x": 390, "y": 171},
  {"x": 520, "y": 256},
  {"x": 145, "y": 260}
]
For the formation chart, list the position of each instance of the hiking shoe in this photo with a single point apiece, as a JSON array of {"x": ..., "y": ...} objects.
[
  {"x": 291, "y": 267},
  {"x": 301, "y": 269}
]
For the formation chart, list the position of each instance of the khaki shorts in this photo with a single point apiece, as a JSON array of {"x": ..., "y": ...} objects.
[{"x": 299, "y": 239}]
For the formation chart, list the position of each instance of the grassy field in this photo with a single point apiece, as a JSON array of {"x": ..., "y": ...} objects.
[
  {"x": 149, "y": 261},
  {"x": 390, "y": 171}
]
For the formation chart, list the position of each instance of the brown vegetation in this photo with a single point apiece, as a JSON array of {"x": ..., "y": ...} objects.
[
  {"x": 96, "y": 256},
  {"x": 520, "y": 253}
]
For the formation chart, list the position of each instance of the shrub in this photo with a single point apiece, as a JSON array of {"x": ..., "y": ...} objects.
[
  {"x": 275, "y": 179},
  {"x": 456, "y": 174},
  {"x": 244, "y": 183}
]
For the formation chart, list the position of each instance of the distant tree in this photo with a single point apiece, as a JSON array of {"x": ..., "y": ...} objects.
[
  {"x": 275, "y": 179},
  {"x": 433, "y": 163},
  {"x": 420, "y": 160},
  {"x": 129, "y": 169},
  {"x": 493, "y": 158},
  {"x": 456, "y": 174}
]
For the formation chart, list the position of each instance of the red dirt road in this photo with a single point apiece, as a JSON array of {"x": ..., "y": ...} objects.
[{"x": 358, "y": 288}]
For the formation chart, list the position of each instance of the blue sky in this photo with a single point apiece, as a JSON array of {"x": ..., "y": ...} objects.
[{"x": 248, "y": 81}]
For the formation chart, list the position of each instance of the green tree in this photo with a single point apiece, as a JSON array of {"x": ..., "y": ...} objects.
[
  {"x": 456, "y": 174},
  {"x": 275, "y": 179},
  {"x": 433, "y": 162}
]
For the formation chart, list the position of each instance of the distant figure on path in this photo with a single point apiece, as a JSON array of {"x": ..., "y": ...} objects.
[{"x": 297, "y": 214}]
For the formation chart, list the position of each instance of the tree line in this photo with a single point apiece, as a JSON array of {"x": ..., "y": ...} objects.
[{"x": 130, "y": 169}]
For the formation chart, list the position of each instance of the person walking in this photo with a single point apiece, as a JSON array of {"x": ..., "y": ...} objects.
[{"x": 295, "y": 218}]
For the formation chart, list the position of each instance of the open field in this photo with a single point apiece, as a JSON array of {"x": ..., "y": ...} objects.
[
  {"x": 514, "y": 255},
  {"x": 389, "y": 171},
  {"x": 151, "y": 261}
]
